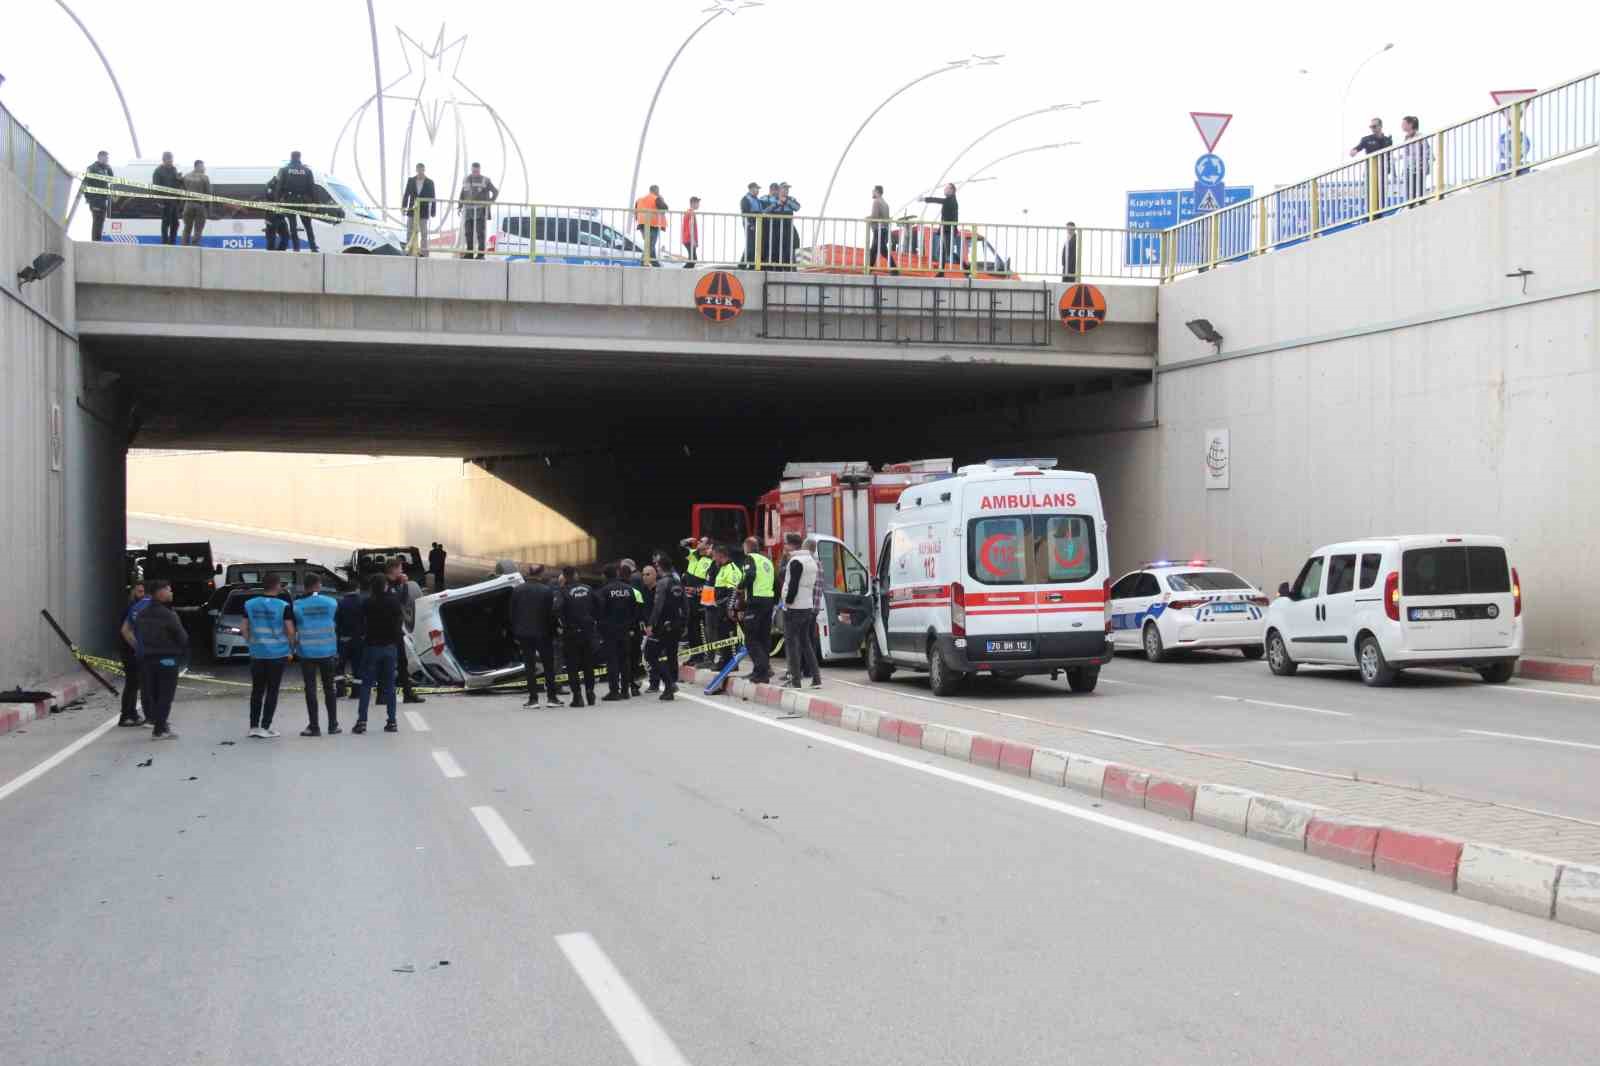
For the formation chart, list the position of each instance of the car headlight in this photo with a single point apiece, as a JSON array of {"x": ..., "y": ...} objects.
[{"x": 232, "y": 630}]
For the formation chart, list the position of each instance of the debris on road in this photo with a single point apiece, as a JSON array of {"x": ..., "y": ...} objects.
[{"x": 147, "y": 762}]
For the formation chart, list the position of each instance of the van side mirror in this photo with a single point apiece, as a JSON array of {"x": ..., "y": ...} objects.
[{"x": 1283, "y": 590}]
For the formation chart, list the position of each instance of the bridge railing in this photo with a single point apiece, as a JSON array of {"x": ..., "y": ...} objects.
[
  {"x": 1494, "y": 146},
  {"x": 555, "y": 233},
  {"x": 40, "y": 173}
]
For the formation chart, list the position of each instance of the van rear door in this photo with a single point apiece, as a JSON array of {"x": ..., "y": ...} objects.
[
  {"x": 1000, "y": 596},
  {"x": 1455, "y": 595},
  {"x": 1071, "y": 593}
]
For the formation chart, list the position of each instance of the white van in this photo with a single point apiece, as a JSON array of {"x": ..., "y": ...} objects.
[
  {"x": 1392, "y": 602},
  {"x": 998, "y": 569},
  {"x": 137, "y": 219}
]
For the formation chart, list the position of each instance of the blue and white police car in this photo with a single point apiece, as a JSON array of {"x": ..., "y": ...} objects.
[{"x": 1167, "y": 606}]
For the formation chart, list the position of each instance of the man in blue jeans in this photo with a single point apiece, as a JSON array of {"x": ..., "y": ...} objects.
[
  {"x": 269, "y": 629},
  {"x": 385, "y": 622},
  {"x": 318, "y": 643}
]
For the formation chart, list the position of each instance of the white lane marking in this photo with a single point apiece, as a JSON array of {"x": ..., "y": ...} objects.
[
  {"x": 1527, "y": 945},
  {"x": 448, "y": 765},
  {"x": 63, "y": 755},
  {"x": 1283, "y": 706},
  {"x": 417, "y": 722},
  {"x": 1535, "y": 740},
  {"x": 1542, "y": 691},
  {"x": 644, "y": 1038},
  {"x": 501, "y": 836}
]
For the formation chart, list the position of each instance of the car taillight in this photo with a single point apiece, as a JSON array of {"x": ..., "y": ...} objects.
[
  {"x": 1516, "y": 594},
  {"x": 958, "y": 610},
  {"x": 1391, "y": 596},
  {"x": 436, "y": 638},
  {"x": 1184, "y": 605},
  {"x": 1259, "y": 601},
  {"x": 1105, "y": 592}
]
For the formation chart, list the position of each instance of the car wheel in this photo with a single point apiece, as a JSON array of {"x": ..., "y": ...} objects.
[
  {"x": 1499, "y": 673},
  {"x": 878, "y": 668},
  {"x": 1154, "y": 650},
  {"x": 1253, "y": 651},
  {"x": 1375, "y": 669},
  {"x": 1278, "y": 660},
  {"x": 1083, "y": 678},
  {"x": 943, "y": 680}
]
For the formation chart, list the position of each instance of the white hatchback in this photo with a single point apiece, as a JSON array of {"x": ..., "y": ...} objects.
[
  {"x": 1389, "y": 603},
  {"x": 1166, "y": 607}
]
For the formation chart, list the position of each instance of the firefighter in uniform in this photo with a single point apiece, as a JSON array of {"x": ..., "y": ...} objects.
[
  {"x": 726, "y": 578},
  {"x": 759, "y": 589},
  {"x": 618, "y": 612},
  {"x": 668, "y": 612},
  {"x": 578, "y": 634},
  {"x": 695, "y": 576},
  {"x": 295, "y": 184}
]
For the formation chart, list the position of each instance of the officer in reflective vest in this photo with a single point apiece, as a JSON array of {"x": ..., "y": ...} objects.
[
  {"x": 759, "y": 589},
  {"x": 720, "y": 616},
  {"x": 695, "y": 575}
]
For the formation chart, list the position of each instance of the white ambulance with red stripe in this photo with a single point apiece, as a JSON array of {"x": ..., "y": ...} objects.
[{"x": 997, "y": 569}]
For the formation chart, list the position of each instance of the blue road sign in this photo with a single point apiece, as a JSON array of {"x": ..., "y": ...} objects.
[
  {"x": 1209, "y": 170},
  {"x": 1158, "y": 209},
  {"x": 1208, "y": 198}
]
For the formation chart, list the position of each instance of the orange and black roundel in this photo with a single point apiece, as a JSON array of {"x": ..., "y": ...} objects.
[
  {"x": 719, "y": 296},
  {"x": 1082, "y": 308}
]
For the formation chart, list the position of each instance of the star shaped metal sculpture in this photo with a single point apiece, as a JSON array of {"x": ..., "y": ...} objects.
[{"x": 435, "y": 90}]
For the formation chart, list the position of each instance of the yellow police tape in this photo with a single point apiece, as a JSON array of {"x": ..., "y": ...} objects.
[
  {"x": 115, "y": 667},
  {"x": 97, "y": 185}
]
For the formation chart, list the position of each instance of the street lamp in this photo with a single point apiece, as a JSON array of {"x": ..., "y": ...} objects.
[
  {"x": 1013, "y": 155},
  {"x": 954, "y": 64},
  {"x": 717, "y": 10},
  {"x": 126, "y": 114},
  {"x": 1344, "y": 101},
  {"x": 1080, "y": 105}
]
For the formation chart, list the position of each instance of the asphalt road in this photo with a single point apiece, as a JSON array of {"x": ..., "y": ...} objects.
[
  {"x": 1432, "y": 729},
  {"x": 690, "y": 883}
]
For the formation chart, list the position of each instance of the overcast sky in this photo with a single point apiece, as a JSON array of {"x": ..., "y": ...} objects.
[{"x": 775, "y": 91}]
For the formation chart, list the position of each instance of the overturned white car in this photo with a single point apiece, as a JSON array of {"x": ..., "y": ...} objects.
[{"x": 463, "y": 636}]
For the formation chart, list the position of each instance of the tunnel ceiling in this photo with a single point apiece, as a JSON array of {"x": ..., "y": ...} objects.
[{"x": 441, "y": 401}]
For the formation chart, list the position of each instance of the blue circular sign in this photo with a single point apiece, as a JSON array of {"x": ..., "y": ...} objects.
[{"x": 1208, "y": 169}]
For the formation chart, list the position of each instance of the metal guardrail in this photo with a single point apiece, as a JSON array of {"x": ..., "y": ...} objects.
[
  {"x": 1494, "y": 146},
  {"x": 46, "y": 180}
]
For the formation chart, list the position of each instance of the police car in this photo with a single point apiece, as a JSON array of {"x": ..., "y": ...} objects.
[{"x": 1165, "y": 607}]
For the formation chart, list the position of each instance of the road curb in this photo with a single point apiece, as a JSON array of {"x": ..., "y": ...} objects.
[
  {"x": 63, "y": 691},
  {"x": 1575, "y": 673},
  {"x": 1568, "y": 893}
]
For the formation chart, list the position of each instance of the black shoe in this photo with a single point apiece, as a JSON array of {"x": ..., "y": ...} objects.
[
  {"x": 612, "y": 697},
  {"x": 667, "y": 695},
  {"x": 577, "y": 701},
  {"x": 311, "y": 731},
  {"x": 589, "y": 695},
  {"x": 554, "y": 701},
  {"x": 791, "y": 684},
  {"x": 130, "y": 721},
  {"x": 634, "y": 690},
  {"x": 816, "y": 682},
  {"x": 531, "y": 701},
  {"x": 413, "y": 699},
  {"x": 333, "y": 728},
  {"x": 391, "y": 726},
  {"x": 359, "y": 727},
  {"x": 652, "y": 688}
]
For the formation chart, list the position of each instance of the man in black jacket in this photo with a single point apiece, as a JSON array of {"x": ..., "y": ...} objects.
[
  {"x": 578, "y": 634},
  {"x": 385, "y": 625},
  {"x": 1375, "y": 141},
  {"x": 750, "y": 206},
  {"x": 167, "y": 177},
  {"x": 297, "y": 186},
  {"x": 98, "y": 201},
  {"x": 668, "y": 613},
  {"x": 949, "y": 215},
  {"x": 417, "y": 201},
  {"x": 533, "y": 624},
  {"x": 162, "y": 643}
]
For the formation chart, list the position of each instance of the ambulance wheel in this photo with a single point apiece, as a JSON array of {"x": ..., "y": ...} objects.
[
  {"x": 1253, "y": 651},
  {"x": 878, "y": 668},
  {"x": 1154, "y": 650},
  {"x": 941, "y": 679},
  {"x": 1083, "y": 678},
  {"x": 1278, "y": 660}
]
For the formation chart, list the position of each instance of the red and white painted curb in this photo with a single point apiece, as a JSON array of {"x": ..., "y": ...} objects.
[
  {"x": 1533, "y": 884},
  {"x": 62, "y": 692},
  {"x": 1556, "y": 670}
]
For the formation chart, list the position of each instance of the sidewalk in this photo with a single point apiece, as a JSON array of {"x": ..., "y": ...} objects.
[
  {"x": 1537, "y": 863},
  {"x": 63, "y": 690}
]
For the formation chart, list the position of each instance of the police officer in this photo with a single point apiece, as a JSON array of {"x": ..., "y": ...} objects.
[
  {"x": 578, "y": 634},
  {"x": 759, "y": 589},
  {"x": 274, "y": 224},
  {"x": 295, "y": 185},
  {"x": 667, "y": 616},
  {"x": 694, "y": 579},
  {"x": 628, "y": 573},
  {"x": 618, "y": 611},
  {"x": 726, "y": 579}
]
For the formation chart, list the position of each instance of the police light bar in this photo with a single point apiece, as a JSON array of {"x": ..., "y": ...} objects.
[{"x": 1006, "y": 464}]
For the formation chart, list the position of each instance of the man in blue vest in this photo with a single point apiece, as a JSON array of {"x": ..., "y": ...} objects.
[
  {"x": 269, "y": 630},
  {"x": 317, "y": 637},
  {"x": 131, "y": 654}
]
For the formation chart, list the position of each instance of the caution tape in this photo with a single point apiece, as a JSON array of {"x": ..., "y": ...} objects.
[{"x": 99, "y": 185}]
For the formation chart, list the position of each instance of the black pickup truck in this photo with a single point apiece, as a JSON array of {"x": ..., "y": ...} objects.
[{"x": 190, "y": 569}]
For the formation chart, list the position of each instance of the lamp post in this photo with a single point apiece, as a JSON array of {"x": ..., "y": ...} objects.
[
  {"x": 1080, "y": 105},
  {"x": 1013, "y": 155},
  {"x": 717, "y": 10},
  {"x": 126, "y": 114},
  {"x": 954, "y": 64},
  {"x": 1344, "y": 101}
]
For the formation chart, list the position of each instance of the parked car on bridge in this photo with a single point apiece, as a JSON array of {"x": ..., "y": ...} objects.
[
  {"x": 1390, "y": 603},
  {"x": 1165, "y": 607}
]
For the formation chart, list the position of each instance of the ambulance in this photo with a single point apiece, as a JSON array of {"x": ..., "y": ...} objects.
[{"x": 1000, "y": 569}]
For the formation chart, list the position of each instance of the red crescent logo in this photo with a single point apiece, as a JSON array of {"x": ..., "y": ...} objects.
[
  {"x": 1076, "y": 558},
  {"x": 1008, "y": 554}
]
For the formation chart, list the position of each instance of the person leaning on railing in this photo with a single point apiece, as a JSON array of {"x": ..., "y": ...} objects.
[{"x": 417, "y": 202}]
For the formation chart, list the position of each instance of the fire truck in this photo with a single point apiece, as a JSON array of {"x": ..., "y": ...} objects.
[{"x": 847, "y": 507}]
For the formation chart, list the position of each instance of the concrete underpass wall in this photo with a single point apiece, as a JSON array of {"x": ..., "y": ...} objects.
[
  {"x": 1391, "y": 379},
  {"x": 363, "y": 500},
  {"x": 60, "y": 461}
]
